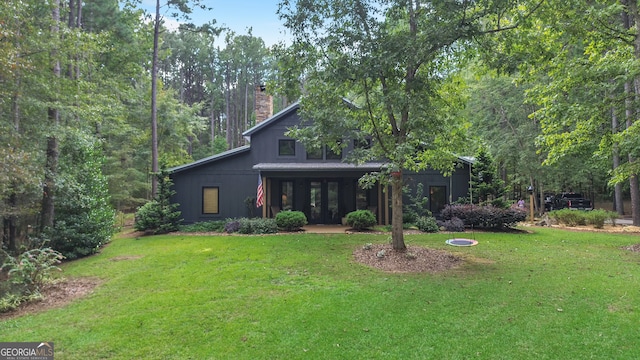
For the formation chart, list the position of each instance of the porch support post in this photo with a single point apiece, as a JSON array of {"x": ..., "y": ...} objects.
[
  {"x": 386, "y": 206},
  {"x": 267, "y": 194}
]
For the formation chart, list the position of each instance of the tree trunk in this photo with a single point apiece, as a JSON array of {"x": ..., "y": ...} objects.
[
  {"x": 397, "y": 232},
  {"x": 10, "y": 226},
  {"x": 617, "y": 191},
  {"x": 154, "y": 106},
  {"x": 631, "y": 19},
  {"x": 51, "y": 162},
  {"x": 227, "y": 101}
]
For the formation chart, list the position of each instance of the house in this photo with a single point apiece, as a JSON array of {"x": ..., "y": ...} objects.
[{"x": 317, "y": 183}]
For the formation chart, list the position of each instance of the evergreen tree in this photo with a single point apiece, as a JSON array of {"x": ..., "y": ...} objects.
[
  {"x": 159, "y": 216},
  {"x": 485, "y": 185}
]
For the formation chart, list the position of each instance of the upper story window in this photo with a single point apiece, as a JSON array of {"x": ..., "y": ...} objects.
[
  {"x": 286, "y": 147},
  {"x": 314, "y": 154},
  {"x": 324, "y": 152},
  {"x": 331, "y": 155},
  {"x": 362, "y": 143}
]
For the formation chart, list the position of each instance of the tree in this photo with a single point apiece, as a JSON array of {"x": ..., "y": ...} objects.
[
  {"x": 485, "y": 185},
  {"x": 183, "y": 7},
  {"x": 581, "y": 61},
  {"x": 160, "y": 215},
  {"x": 397, "y": 63},
  {"x": 84, "y": 218}
]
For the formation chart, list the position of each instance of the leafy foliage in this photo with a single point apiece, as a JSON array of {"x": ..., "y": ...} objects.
[
  {"x": 160, "y": 215},
  {"x": 597, "y": 218},
  {"x": 204, "y": 226},
  {"x": 84, "y": 217},
  {"x": 232, "y": 226},
  {"x": 427, "y": 224},
  {"x": 453, "y": 225},
  {"x": 25, "y": 275},
  {"x": 361, "y": 219},
  {"x": 291, "y": 220},
  {"x": 251, "y": 226},
  {"x": 257, "y": 226},
  {"x": 417, "y": 206},
  {"x": 485, "y": 185},
  {"x": 484, "y": 216}
]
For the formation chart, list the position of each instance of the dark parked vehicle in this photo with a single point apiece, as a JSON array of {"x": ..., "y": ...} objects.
[{"x": 570, "y": 200}]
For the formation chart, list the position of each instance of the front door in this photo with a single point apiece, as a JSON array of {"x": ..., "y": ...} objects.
[
  {"x": 437, "y": 198},
  {"x": 323, "y": 206}
]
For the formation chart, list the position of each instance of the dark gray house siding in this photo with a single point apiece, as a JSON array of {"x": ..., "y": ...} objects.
[
  {"x": 324, "y": 188},
  {"x": 231, "y": 174}
]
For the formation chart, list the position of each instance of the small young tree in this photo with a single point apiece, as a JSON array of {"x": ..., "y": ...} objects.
[
  {"x": 485, "y": 185},
  {"x": 159, "y": 216}
]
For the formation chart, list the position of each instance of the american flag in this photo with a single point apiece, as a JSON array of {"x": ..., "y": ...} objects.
[{"x": 260, "y": 193}]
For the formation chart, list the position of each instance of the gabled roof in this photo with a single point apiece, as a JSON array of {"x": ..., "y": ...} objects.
[
  {"x": 291, "y": 108},
  {"x": 210, "y": 159}
]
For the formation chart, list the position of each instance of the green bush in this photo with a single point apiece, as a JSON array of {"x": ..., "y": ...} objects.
[
  {"x": 84, "y": 219},
  {"x": 427, "y": 224},
  {"x": 257, "y": 226},
  {"x": 597, "y": 218},
  {"x": 487, "y": 217},
  {"x": 361, "y": 219},
  {"x": 25, "y": 275},
  {"x": 32, "y": 268},
  {"x": 569, "y": 217},
  {"x": 204, "y": 226},
  {"x": 159, "y": 216},
  {"x": 291, "y": 220}
]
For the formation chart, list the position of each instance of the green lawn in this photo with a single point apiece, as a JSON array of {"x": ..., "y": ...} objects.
[{"x": 551, "y": 294}]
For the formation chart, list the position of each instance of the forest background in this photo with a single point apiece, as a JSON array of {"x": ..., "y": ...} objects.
[{"x": 553, "y": 101}]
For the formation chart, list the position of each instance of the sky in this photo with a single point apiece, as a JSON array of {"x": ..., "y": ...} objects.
[{"x": 238, "y": 15}]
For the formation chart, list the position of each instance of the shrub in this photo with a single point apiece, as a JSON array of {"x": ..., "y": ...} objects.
[
  {"x": 205, "y": 226},
  {"x": 257, "y": 226},
  {"x": 159, "y": 216},
  {"x": 597, "y": 218},
  {"x": 32, "y": 268},
  {"x": 453, "y": 225},
  {"x": 484, "y": 216},
  {"x": 569, "y": 217},
  {"x": 361, "y": 219},
  {"x": 84, "y": 219},
  {"x": 291, "y": 220},
  {"x": 232, "y": 226},
  {"x": 427, "y": 224}
]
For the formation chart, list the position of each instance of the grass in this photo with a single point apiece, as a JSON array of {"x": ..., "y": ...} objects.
[{"x": 545, "y": 295}]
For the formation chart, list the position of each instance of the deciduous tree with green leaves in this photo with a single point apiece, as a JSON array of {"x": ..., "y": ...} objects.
[{"x": 396, "y": 61}]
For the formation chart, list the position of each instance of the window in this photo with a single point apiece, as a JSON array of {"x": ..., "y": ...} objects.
[
  {"x": 210, "y": 200},
  {"x": 286, "y": 188},
  {"x": 362, "y": 143},
  {"x": 331, "y": 155},
  {"x": 286, "y": 147},
  {"x": 314, "y": 154}
]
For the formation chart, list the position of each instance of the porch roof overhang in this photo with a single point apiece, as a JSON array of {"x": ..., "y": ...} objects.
[{"x": 291, "y": 167}]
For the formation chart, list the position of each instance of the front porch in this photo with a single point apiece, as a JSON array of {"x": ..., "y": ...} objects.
[{"x": 323, "y": 198}]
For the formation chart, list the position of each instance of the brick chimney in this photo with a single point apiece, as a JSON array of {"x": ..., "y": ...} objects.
[{"x": 264, "y": 104}]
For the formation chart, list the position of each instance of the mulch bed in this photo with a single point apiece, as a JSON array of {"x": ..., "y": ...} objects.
[{"x": 415, "y": 259}]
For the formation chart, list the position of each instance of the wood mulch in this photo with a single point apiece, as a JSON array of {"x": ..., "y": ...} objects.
[{"x": 415, "y": 259}]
